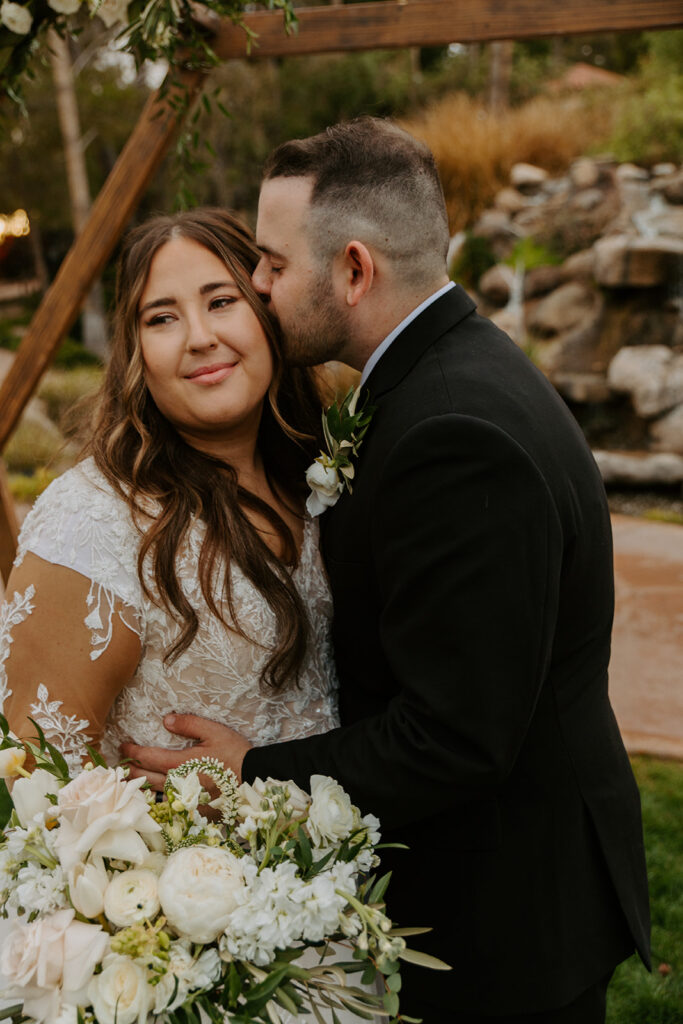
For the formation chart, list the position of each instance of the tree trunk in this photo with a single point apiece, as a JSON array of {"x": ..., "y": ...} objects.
[
  {"x": 94, "y": 323},
  {"x": 499, "y": 75}
]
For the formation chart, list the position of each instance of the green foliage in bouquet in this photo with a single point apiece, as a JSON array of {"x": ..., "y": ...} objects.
[{"x": 192, "y": 909}]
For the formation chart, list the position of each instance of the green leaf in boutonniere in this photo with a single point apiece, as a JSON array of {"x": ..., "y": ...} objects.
[{"x": 344, "y": 427}]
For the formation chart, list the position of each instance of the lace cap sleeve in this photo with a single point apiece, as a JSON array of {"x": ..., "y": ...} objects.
[{"x": 79, "y": 522}]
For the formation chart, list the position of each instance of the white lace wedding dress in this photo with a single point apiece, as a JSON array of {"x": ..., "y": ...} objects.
[{"x": 82, "y": 524}]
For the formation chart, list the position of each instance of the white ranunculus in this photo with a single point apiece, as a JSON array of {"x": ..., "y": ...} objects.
[
  {"x": 18, "y": 19},
  {"x": 103, "y": 815},
  {"x": 189, "y": 790},
  {"x": 111, "y": 11},
  {"x": 11, "y": 758},
  {"x": 197, "y": 891},
  {"x": 50, "y": 961},
  {"x": 121, "y": 994},
  {"x": 64, "y": 6},
  {"x": 325, "y": 487},
  {"x": 87, "y": 884},
  {"x": 130, "y": 897},
  {"x": 29, "y": 796},
  {"x": 332, "y": 816},
  {"x": 185, "y": 974}
]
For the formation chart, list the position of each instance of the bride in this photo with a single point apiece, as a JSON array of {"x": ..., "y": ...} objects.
[{"x": 173, "y": 569}]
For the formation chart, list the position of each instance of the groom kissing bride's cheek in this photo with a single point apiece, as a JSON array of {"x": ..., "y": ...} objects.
[{"x": 471, "y": 574}]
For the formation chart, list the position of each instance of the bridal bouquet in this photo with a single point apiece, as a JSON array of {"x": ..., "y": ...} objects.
[{"x": 128, "y": 910}]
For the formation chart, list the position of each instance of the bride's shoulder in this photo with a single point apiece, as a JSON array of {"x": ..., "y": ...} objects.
[{"x": 79, "y": 511}]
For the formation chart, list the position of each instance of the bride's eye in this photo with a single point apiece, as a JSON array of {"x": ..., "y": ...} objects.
[
  {"x": 223, "y": 301},
  {"x": 158, "y": 320}
]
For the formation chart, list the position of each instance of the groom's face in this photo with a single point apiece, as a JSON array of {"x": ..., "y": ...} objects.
[{"x": 301, "y": 293}]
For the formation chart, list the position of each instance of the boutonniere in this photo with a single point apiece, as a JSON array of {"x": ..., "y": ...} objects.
[{"x": 344, "y": 427}]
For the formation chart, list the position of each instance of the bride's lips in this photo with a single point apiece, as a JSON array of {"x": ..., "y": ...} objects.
[{"x": 211, "y": 374}]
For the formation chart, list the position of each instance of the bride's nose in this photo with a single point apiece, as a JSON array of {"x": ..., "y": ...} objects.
[{"x": 200, "y": 334}]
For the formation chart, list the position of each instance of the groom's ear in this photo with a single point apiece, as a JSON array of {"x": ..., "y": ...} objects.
[{"x": 358, "y": 268}]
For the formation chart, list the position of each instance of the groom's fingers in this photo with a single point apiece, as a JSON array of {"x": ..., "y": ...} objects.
[
  {"x": 195, "y": 728},
  {"x": 212, "y": 740}
]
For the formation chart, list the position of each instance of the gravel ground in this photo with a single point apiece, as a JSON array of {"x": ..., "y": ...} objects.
[{"x": 655, "y": 503}]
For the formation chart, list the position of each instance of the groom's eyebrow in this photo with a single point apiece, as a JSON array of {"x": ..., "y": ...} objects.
[{"x": 270, "y": 252}]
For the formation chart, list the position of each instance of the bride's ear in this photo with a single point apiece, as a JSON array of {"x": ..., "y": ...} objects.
[{"x": 358, "y": 268}]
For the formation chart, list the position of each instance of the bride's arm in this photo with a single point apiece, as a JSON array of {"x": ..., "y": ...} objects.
[{"x": 55, "y": 668}]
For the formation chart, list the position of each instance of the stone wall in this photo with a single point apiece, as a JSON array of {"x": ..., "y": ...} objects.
[{"x": 604, "y": 322}]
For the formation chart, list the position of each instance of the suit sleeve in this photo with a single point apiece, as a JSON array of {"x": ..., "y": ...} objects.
[{"x": 467, "y": 554}]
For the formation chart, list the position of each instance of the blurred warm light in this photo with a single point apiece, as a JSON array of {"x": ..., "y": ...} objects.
[{"x": 14, "y": 225}]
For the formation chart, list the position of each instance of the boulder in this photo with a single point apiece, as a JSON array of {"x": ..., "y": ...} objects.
[
  {"x": 496, "y": 284},
  {"x": 579, "y": 266},
  {"x": 527, "y": 178},
  {"x": 587, "y": 199},
  {"x": 585, "y": 173},
  {"x": 625, "y": 261},
  {"x": 639, "y": 468},
  {"x": 565, "y": 308},
  {"x": 543, "y": 279},
  {"x": 631, "y": 172},
  {"x": 510, "y": 200},
  {"x": 662, "y": 170},
  {"x": 511, "y": 320},
  {"x": 575, "y": 351},
  {"x": 588, "y": 388},
  {"x": 667, "y": 432},
  {"x": 651, "y": 374},
  {"x": 497, "y": 228},
  {"x": 672, "y": 188}
]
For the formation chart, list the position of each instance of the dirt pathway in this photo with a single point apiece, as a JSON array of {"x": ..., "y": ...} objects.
[{"x": 646, "y": 670}]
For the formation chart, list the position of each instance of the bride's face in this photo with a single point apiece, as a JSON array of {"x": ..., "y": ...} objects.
[{"x": 207, "y": 361}]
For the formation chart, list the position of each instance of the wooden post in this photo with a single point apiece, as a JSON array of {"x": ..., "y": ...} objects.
[
  {"x": 9, "y": 529},
  {"x": 91, "y": 249}
]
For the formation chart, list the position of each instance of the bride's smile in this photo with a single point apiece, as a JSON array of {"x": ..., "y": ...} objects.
[{"x": 207, "y": 361}]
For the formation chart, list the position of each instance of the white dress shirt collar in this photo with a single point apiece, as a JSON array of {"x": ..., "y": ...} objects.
[{"x": 384, "y": 345}]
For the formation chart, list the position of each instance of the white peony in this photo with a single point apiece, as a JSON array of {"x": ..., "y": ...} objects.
[
  {"x": 325, "y": 488},
  {"x": 50, "y": 962},
  {"x": 197, "y": 891},
  {"x": 64, "y": 6},
  {"x": 131, "y": 897},
  {"x": 18, "y": 19},
  {"x": 121, "y": 994},
  {"x": 332, "y": 815},
  {"x": 103, "y": 815},
  {"x": 30, "y": 796},
  {"x": 110, "y": 11},
  {"x": 11, "y": 758},
  {"x": 87, "y": 884}
]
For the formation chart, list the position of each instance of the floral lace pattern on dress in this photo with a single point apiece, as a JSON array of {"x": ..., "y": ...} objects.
[
  {"x": 11, "y": 614},
  {"x": 67, "y": 732},
  {"x": 81, "y": 523}
]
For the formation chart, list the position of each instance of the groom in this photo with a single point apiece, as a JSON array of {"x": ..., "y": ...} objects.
[{"x": 471, "y": 571}]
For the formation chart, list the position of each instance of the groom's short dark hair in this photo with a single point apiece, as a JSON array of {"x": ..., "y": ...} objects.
[{"x": 375, "y": 182}]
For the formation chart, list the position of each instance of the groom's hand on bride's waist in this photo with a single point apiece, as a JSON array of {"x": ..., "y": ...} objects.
[{"x": 211, "y": 740}]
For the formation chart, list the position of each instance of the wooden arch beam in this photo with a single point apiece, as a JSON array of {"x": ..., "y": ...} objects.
[{"x": 358, "y": 26}]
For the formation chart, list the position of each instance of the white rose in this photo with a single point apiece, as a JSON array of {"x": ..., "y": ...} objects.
[
  {"x": 188, "y": 790},
  {"x": 87, "y": 884},
  {"x": 11, "y": 758},
  {"x": 50, "y": 961},
  {"x": 18, "y": 20},
  {"x": 332, "y": 815},
  {"x": 64, "y": 6},
  {"x": 325, "y": 488},
  {"x": 111, "y": 11},
  {"x": 197, "y": 891},
  {"x": 130, "y": 897},
  {"x": 121, "y": 994},
  {"x": 29, "y": 796},
  {"x": 102, "y": 815}
]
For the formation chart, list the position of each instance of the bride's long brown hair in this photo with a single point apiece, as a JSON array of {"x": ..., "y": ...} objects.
[{"x": 150, "y": 465}]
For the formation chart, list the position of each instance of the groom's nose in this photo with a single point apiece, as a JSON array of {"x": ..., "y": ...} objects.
[{"x": 261, "y": 279}]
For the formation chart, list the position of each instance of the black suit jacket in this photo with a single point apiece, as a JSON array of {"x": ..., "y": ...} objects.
[{"x": 471, "y": 571}]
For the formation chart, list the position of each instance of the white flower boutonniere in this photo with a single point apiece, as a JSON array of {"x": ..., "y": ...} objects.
[{"x": 344, "y": 427}]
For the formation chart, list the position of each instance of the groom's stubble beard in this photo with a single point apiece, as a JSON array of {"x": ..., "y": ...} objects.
[{"x": 319, "y": 329}]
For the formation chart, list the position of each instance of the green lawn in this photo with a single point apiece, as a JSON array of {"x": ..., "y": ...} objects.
[{"x": 636, "y": 997}]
